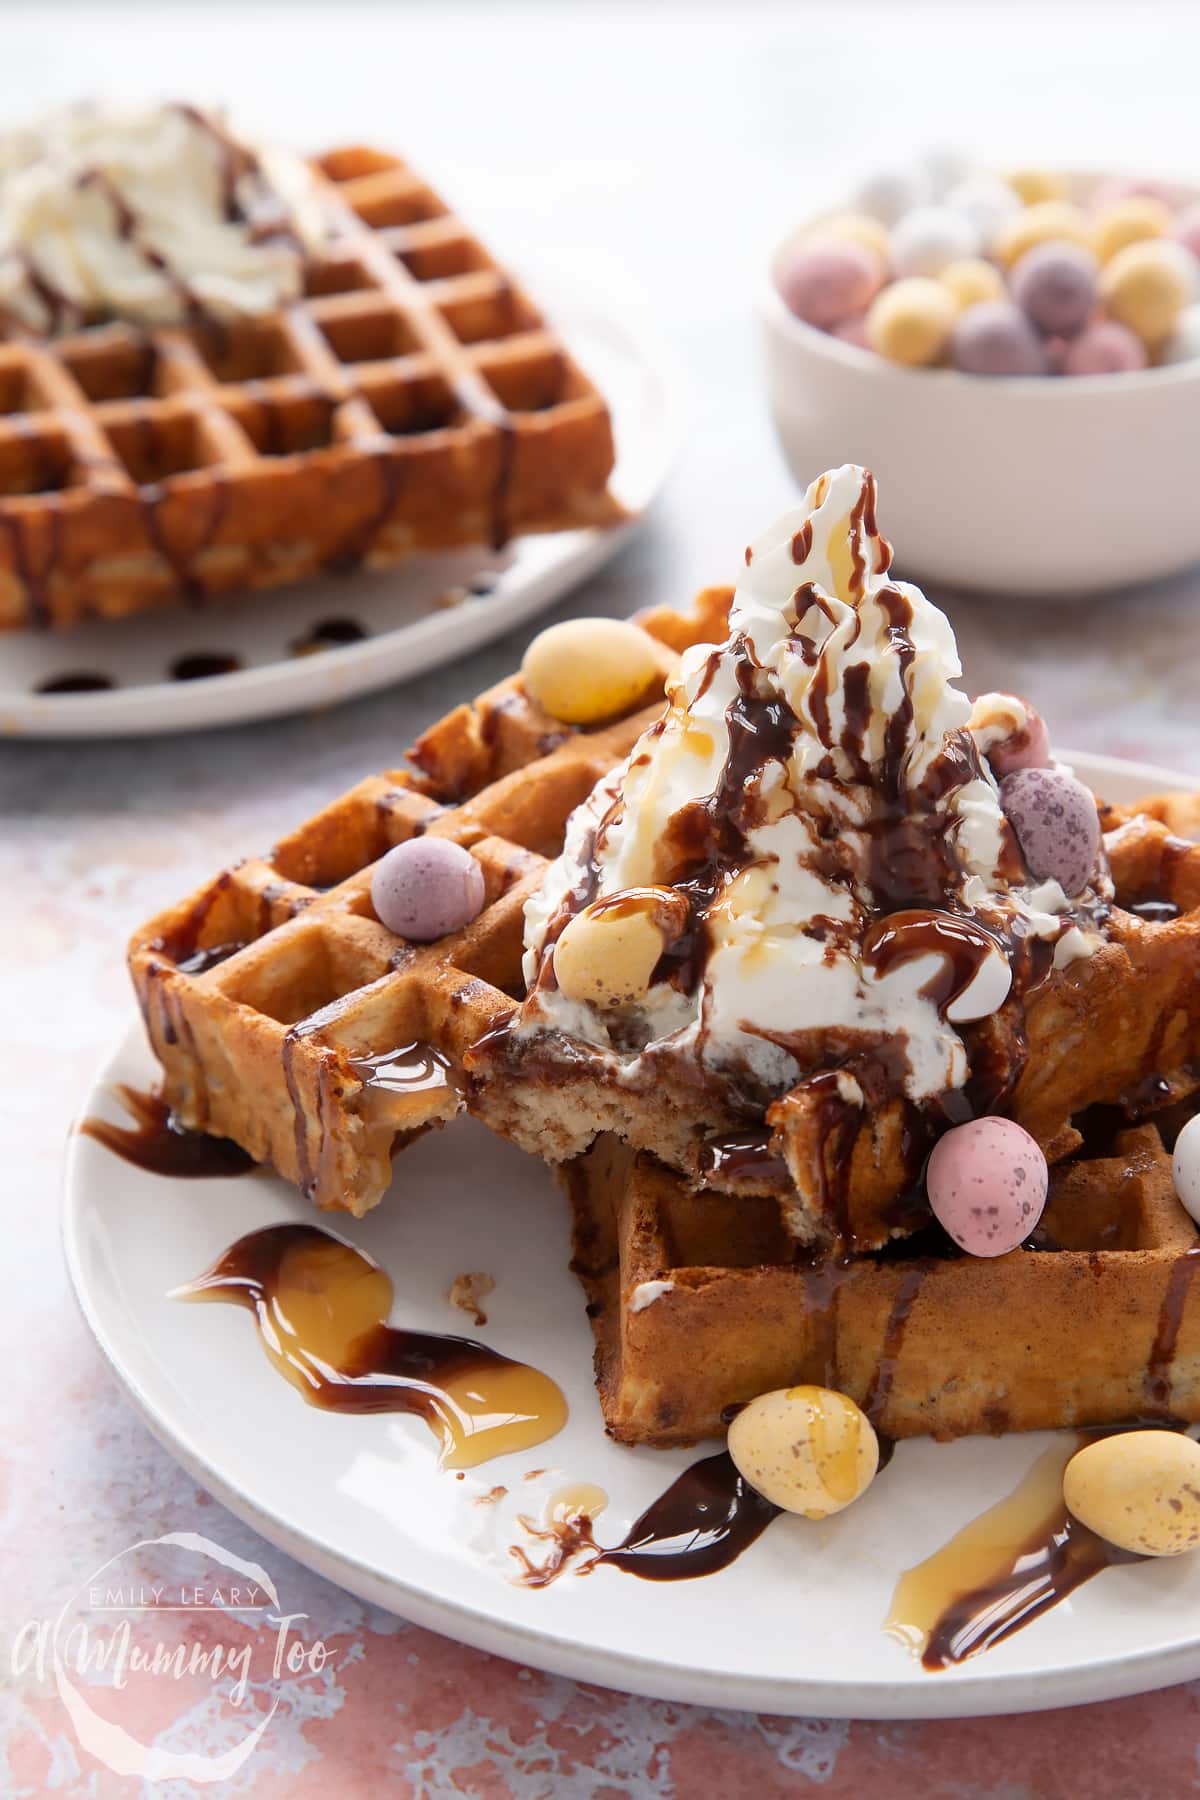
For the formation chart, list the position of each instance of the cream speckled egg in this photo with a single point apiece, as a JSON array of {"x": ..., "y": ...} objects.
[
  {"x": 808, "y": 1450},
  {"x": 1139, "y": 1490},
  {"x": 1036, "y": 185},
  {"x": 585, "y": 670},
  {"x": 972, "y": 280},
  {"x": 607, "y": 953},
  {"x": 1049, "y": 221},
  {"x": 1146, "y": 286},
  {"x": 911, "y": 321}
]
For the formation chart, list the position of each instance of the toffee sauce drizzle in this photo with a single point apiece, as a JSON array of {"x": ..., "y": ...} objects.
[
  {"x": 321, "y": 1308},
  {"x": 160, "y": 1146}
]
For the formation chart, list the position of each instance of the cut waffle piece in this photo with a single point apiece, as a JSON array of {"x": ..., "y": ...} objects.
[
  {"x": 413, "y": 399},
  {"x": 1121, "y": 1027},
  {"x": 287, "y": 1018},
  {"x": 698, "y": 1303}
]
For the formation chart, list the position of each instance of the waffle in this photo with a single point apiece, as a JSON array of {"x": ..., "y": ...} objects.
[
  {"x": 1101, "y": 1324},
  {"x": 287, "y": 1018},
  {"x": 414, "y": 399},
  {"x": 1121, "y": 1027}
]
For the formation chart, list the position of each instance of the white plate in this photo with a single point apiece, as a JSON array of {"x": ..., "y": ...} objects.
[
  {"x": 416, "y": 616},
  {"x": 792, "y": 1627}
]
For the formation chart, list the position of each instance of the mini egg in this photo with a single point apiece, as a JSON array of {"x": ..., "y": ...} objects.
[
  {"x": 945, "y": 167},
  {"x": 1105, "y": 348},
  {"x": 607, "y": 954},
  {"x": 911, "y": 321},
  {"x": 1185, "y": 1167},
  {"x": 1139, "y": 1490},
  {"x": 1052, "y": 219},
  {"x": 585, "y": 670},
  {"x": 995, "y": 338},
  {"x": 1026, "y": 747},
  {"x": 826, "y": 279},
  {"x": 1183, "y": 345},
  {"x": 925, "y": 241},
  {"x": 427, "y": 887},
  {"x": 853, "y": 331},
  {"x": 986, "y": 1184},
  {"x": 809, "y": 1450},
  {"x": 988, "y": 203},
  {"x": 1128, "y": 221},
  {"x": 1055, "y": 286},
  {"x": 1146, "y": 286},
  {"x": 1186, "y": 229},
  {"x": 1034, "y": 186},
  {"x": 854, "y": 228},
  {"x": 890, "y": 193},
  {"x": 972, "y": 280},
  {"x": 1057, "y": 825},
  {"x": 1116, "y": 188}
]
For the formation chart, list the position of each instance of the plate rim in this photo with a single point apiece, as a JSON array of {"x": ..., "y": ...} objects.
[{"x": 967, "y": 1692}]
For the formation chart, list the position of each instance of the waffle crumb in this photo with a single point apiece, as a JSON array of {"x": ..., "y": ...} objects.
[{"x": 468, "y": 1291}]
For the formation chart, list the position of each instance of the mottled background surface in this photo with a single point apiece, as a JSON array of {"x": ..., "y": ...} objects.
[{"x": 658, "y": 150}]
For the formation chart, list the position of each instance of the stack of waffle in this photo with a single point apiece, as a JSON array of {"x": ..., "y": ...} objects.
[{"x": 288, "y": 1018}]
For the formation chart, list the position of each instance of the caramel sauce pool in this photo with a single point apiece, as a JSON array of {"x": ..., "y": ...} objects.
[
  {"x": 155, "y": 1142},
  {"x": 321, "y": 1308},
  {"x": 1001, "y": 1571}
]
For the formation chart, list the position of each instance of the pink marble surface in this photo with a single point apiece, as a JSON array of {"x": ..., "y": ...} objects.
[{"x": 730, "y": 112}]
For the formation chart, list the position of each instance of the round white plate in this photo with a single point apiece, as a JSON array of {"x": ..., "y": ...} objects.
[
  {"x": 794, "y": 1626},
  {"x": 425, "y": 612}
]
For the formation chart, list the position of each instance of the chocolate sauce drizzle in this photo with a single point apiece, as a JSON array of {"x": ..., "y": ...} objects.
[
  {"x": 700, "y": 1524},
  {"x": 157, "y": 1143}
]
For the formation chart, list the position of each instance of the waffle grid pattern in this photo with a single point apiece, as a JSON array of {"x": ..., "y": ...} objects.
[{"x": 413, "y": 399}]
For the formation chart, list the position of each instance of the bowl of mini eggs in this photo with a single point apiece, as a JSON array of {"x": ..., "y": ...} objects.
[{"x": 1016, "y": 357}]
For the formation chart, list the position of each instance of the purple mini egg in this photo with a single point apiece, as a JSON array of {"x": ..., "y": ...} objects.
[
  {"x": 427, "y": 887},
  {"x": 986, "y": 1184},
  {"x": 1055, "y": 285},
  {"x": 1106, "y": 347},
  {"x": 1057, "y": 825},
  {"x": 995, "y": 338},
  {"x": 825, "y": 281}
]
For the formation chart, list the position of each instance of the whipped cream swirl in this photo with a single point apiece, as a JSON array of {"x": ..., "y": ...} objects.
[
  {"x": 815, "y": 790},
  {"x": 154, "y": 215}
]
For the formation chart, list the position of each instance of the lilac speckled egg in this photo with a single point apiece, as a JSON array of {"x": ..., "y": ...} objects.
[
  {"x": 1057, "y": 825},
  {"x": 1055, "y": 285},
  {"x": 995, "y": 338},
  {"x": 1028, "y": 748},
  {"x": 826, "y": 280},
  {"x": 1105, "y": 347},
  {"x": 1186, "y": 229},
  {"x": 427, "y": 887},
  {"x": 986, "y": 1183}
]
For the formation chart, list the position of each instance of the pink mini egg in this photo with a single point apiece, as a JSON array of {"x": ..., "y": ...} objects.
[
  {"x": 1105, "y": 347},
  {"x": 986, "y": 1184},
  {"x": 1186, "y": 229},
  {"x": 1028, "y": 748},
  {"x": 1057, "y": 825},
  {"x": 427, "y": 887},
  {"x": 827, "y": 280},
  {"x": 1116, "y": 188},
  {"x": 853, "y": 331}
]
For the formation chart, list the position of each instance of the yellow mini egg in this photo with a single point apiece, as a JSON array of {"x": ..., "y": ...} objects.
[
  {"x": 855, "y": 228},
  {"x": 1139, "y": 1490},
  {"x": 1146, "y": 286},
  {"x": 1048, "y": 220},
  {"x": 584, "y": 670},
  {"x": 1129, "y": 222},
  {"x": 807, "y": 1449},
  {"x": 911, "y": 321},
  {"x": 607, "y": 953},
  {"x": 973, "y": 280},
  {"x": 1036, "y": 185}
]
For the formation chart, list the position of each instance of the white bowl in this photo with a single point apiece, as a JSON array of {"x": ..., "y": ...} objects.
[{"x": 1030, "y": 485}]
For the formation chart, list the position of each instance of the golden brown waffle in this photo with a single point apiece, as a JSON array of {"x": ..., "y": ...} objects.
[
  {"x": 268, "y": 994},
  {"x": 414, "y": 399},
  {"x": 281, "y": 1009},
  {"x": 698, "y": 1303}
]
